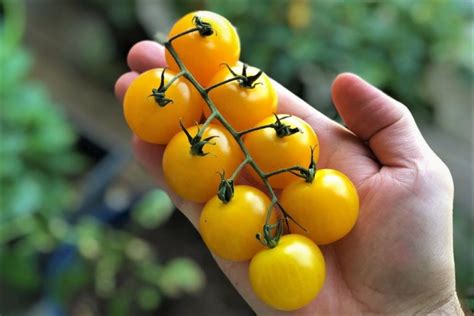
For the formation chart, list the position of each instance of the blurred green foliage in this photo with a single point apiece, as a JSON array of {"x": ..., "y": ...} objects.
[
  {"x": 38, "y": 164},
  {"x": 36, "y": 159},
  {"x": 122, "y": 269},
  {"x": 305, "y": 43},
  {"x": 146, "y": 212}
]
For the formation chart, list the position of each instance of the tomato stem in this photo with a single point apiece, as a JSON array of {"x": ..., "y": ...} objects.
[
  {"x": 250, "y": 130},
  {"x": 182, "y": 34},
  {"x": 223, "y": 83},
  {"x": 180, "y": 74},
  {"x": 225, "y": 191},
  {"x": 206, "y": 124},
  {"x": 239, "y": 168},
  {"x": 289, "y": 217},
  {"x": 291, "y": 170}
]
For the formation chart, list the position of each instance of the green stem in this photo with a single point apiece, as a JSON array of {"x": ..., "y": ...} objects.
[
  {"x": 180, "y": 74},
  {"x": 206, "y": 124},
  {"x": 242, "y": 133},
  {"x": 182, "y": 34},
  {"x": 290, "y": 169},
  {"x": 239, "y": 168},
  {"x": 223, "y": 83}
]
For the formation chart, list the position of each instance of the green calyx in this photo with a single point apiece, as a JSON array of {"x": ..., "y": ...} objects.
[
  {"x": 245, "y": 80},
  {"x": 309, "y": 174},
  {"x": 196, "y": 142},
  {"x": 159, "y": 93},
  {"x": 225, "y": 192},
  {"x": 283, "y": 130},
  {"x": 204, "y": 28},
  {"x": 271, "y": 234}
]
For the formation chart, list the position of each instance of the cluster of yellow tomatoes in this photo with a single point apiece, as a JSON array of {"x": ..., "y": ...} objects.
[{"x": 244, "y": 140}]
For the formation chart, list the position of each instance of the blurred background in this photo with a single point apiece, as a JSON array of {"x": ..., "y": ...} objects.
[{"x": 83, "y": 231}]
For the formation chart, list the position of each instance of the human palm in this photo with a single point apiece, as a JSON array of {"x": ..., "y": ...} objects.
[{"x": 398, "y": 259}]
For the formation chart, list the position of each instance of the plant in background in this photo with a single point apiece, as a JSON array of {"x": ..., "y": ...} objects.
[
  {"x": 36, "y": 160},
  {"x": 42, "y": 253},
  {"x": 117, "y": 271}
]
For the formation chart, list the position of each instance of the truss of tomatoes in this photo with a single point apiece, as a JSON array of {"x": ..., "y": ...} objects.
[{"x": 242, "y": 134}]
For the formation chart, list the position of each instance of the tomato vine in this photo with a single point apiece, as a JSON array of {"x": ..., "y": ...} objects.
[{"x": 271, "y": 232}]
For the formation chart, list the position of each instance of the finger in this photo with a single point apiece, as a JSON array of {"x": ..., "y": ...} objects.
[
  {"x": 386, "y": 124},
  {"x": 150, "y": 156},
  {"x": 289, "y": 103},
  {"x": 146, "y": 55},
  {"x": 332, "y": 137},
  {"x": 122, "y": 83}
]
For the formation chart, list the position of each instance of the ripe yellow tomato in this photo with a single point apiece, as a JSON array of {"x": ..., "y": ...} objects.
[
  {"x": 229, "y": 229},
  {"x": 272, "y": 152},
  {"x": 152, "y": 122},
  {"x": 328, "y": 207},
  {"x": 290, "y": 275},
  {"x": 243, "y": 107},
  {"x": 195, "y": 177},
  {"x": 203, "y": 55}
]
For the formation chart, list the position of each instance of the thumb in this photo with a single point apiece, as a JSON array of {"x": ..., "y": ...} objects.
[{"x": 384, "y": 123}]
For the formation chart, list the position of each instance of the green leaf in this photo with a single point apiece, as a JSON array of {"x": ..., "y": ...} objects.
[
  {"x": 154, "y": 209},
  {"x": 181, "y": 275}
]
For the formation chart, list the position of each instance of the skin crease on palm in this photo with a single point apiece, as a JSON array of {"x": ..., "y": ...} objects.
[{"x": 398, "y": 259}]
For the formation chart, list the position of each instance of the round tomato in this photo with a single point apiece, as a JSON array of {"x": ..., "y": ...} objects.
[
  {"x": 327, "y": 208},
  {"x": 154, "y": 123},
  {"x": 203, "y": 54},
  {"x": 194, "y": 177},
  {"x": 290, "y": 275},
  {"x": 243, "y": 106},
  {"x": 272, "y": 152},
  {"x": 229, "y": 229}
]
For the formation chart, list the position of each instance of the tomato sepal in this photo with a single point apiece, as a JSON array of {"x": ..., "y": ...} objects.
[
  {"x": 196, "y": 142},
  {"x": 225, "y": 192}
]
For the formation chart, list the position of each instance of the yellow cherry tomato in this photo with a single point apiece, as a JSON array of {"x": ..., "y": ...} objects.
[
  {"x": 229, "y": 229},
  {"x": 202, "y": 55},
  {"x": 327, "y": 208},
  {"x": 290, "y": 275},
  {"x": 154, "y": 123},
  {"x": 195, "y": 177},
  {"x": 243, "y": 105},
  {"x": 272, "y": 152}
]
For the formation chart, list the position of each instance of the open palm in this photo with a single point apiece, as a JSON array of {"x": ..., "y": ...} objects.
[{"x": 398, "y": 259}]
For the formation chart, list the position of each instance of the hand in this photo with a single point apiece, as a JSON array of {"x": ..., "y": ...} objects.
[{"x": 399, "y": 257}]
